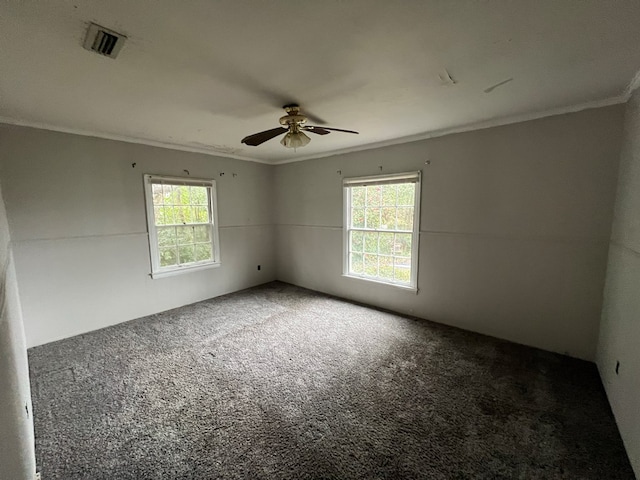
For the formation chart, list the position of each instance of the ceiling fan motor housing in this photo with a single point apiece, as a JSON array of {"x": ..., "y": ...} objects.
[{"x": 289, "y": 120}]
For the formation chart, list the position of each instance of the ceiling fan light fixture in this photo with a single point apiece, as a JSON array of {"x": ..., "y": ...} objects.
[
  {"x": 295, "y": 140},
  {"x": 292, "y": 125}
]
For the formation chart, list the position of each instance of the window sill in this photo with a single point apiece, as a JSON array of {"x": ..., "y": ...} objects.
[
  {"x": 406, "y": 288},
  {"x": 186, "y": 269}
]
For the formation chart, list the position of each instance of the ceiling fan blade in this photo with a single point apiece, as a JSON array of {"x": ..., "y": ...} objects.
[
  {"x": 333, "y": 129},
  {"x": 317, "y": 130},
  {"x": 258, "y": 138}
]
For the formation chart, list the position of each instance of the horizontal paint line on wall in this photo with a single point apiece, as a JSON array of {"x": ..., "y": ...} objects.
[
  {"x": 505, "y": 236},
  {"x": 117, "y": 235},
  {"x": 330, "y": 227},
  {"x": 257, "y": 225},
  {"x": 523, "y": 237},
  {"x": 79, "y": 237}
]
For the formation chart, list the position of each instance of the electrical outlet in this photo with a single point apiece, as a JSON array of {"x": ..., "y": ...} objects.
[{"x": 38, "y": 476}]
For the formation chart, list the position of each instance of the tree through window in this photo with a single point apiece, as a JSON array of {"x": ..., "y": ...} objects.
[
  {"x": 381, "y": 228},
  {"x": 183, "y": 230}
]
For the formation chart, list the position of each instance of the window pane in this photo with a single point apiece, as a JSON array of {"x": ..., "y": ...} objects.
[
  {"x": 405, "y": 218},
  {"x": 202, "y": 233},
  {"x": 402, "y": 270},
  {"x": 201, "y": 215},
  {"x": 389, "y": 194},
  {"x": 157, "y": 194},
  {"x": 371, "y": 242},
  {"x": 170, "y": 215},
  {"x": 158, "y": 215},
  {"x": 166, "y": 236},
  {"x": 386, "y": 243},
  {"x": 406, "y": 192},
  {"x": 357, "y": 264},
  {"x": 164, "y": 215},
  {"x": 203, "y": 252},
  {"x": 186, "y": 253},
  {"x": 357, "y": 242},
  {"x": 388, "y": 220},
  {"x": 181, "y": 195},
  {"x": 373, "y": 195},
  {"x": 384, "y": 253},
  {"x": 371, "y": 265},
  {"x": 357, "y": 196},
  {"x": 190, "y": 214},
  {"x": 184, "y": 228},
  {"x": 167, "y": 192},
  {"x": 357, "y": 217},
  {"x": 386, "y": 267},
  {"x": 373, "y": 218},
  {"x": 185, "y": 236},
  {"x": 402, "y": 247},
  {"x": 402, "y": 262},
  {"x": 199, "y": 196},
  {"x": 180, "y": 214},
  {"x": 168, "y": 257},
  {"x": 402, "y": 274}
]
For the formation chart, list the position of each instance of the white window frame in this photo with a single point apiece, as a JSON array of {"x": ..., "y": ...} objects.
[
  {"x": 156, "y": 270},
  {"x": 415, "y": 177}
]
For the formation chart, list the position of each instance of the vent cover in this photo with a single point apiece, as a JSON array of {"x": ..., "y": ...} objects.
[{"x": 103, "y": 41}]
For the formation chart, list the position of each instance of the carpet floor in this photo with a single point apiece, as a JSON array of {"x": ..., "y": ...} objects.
[{"x": 279, "y": 382}]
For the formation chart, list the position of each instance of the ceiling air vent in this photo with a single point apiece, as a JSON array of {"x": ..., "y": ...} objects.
[{"x": 103, "y": 41}]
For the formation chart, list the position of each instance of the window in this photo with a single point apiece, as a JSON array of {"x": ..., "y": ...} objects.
[
  {"x": 381, "y": 228},
  {"x": 183, "y": 225}
]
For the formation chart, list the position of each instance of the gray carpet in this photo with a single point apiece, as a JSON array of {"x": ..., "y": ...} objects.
[{"x": 278, "y": 382}]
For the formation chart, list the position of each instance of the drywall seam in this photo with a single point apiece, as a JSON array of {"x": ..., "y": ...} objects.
[
  {"x": 524, "y": 237},
  {"x": 78, "y": 237},
  {"x": 466, "y": 128},
  {"x": 330, "y": 227},
  {"x": 256, "y": 225},
  {"x": 413, "y": 138},
  {"x": 119, "y": 235},
  {"x": 503, "y": 236}
]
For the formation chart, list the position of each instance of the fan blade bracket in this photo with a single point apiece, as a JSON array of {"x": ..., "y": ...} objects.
[{"x": 317, "y": 130}]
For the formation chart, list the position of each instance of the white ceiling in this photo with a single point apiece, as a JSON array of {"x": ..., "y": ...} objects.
[{"x": 203, "y": 74}]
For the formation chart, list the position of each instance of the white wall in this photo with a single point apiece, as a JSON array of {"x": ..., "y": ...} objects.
[
  {"x": 77, "y": 218},
  {"x": 514, "y": 229},
  {"x": 620, "y": 327},
  {"x": 17, "y": 454}
]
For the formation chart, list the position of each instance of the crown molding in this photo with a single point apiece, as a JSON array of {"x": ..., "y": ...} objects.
[
  {"x": 635, "y": 83},
  {"x": 127, "y": 139},
  {"x": 467, "y": 128}
]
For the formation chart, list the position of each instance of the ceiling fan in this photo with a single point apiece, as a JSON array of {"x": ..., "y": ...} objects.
[{"x": 294, "y": 124}]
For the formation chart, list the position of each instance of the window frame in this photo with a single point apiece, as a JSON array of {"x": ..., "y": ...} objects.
[
  {"x": 383, "y": 179},
  {"x": 156, "y": 270}
]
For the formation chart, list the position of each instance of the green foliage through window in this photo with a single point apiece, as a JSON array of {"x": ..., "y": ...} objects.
[
  {"x": 381, "y": 231},
  {"x": 182, "y": 216}
]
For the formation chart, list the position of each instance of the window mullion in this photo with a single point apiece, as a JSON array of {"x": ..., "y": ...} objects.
[{"x": 378, "y": 252}]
